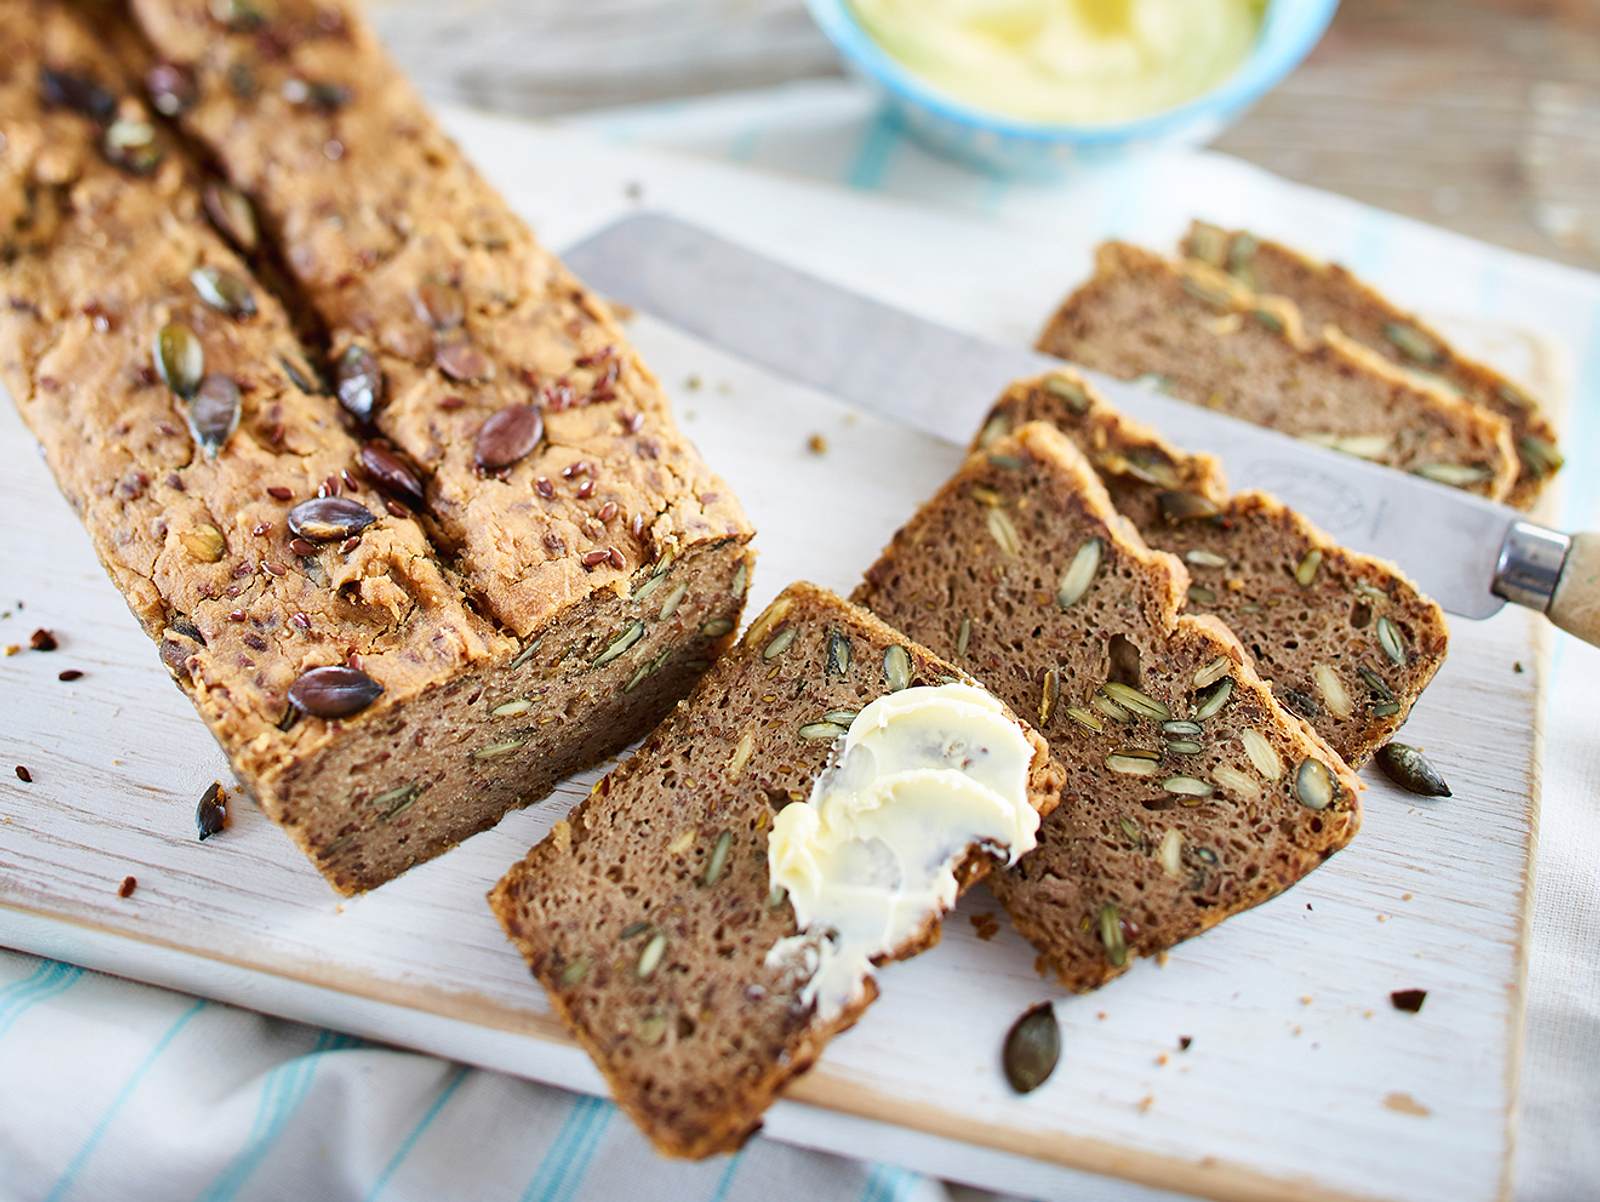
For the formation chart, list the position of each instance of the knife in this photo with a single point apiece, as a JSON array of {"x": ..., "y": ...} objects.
[{"x": 1469, "y": 553}]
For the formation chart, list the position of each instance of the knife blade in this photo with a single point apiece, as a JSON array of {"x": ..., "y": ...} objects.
[{"x": 1470, "y": 554}]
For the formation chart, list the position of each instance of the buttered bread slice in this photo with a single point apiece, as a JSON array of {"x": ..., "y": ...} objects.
[
  {"x": 1191, "y": 793},
  {"x": 710, "y": 916}
]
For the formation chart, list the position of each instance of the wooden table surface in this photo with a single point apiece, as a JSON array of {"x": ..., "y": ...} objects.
[{"x": 1479, "y": 115}]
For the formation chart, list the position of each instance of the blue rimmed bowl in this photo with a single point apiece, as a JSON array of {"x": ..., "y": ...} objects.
[{"x": 1008, "y": 146}]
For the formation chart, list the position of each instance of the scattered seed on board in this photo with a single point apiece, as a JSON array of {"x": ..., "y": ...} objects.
[
  {"x": 129, "y": 884},
  {"x": 1410, "y": 769},
  {"x": 1408, "y": 1000},
  {"x": 1032, "y": 1048},
  {"x": 211, "y": 814}
]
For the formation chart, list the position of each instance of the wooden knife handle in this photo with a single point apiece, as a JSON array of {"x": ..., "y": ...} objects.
[{"x": 1575, "y": 607}]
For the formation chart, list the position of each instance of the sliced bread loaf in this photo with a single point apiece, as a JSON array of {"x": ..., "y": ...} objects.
[
  {"x": 1328, "y": 295},
  {"x": 649, "y": 914},
  {"x": 1204, "y": 338},
  {"x": 1191, "y": 793},
  {"x": 1346, "y": 640}
]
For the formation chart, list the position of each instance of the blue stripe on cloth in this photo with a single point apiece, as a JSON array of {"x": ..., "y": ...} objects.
[
  {"x": 724, "y": 1182},
  {"x": 585, "y": 1153},
  {"x": 743, "y": 146},
  {"x": 56, "y": 979},
  {"x": 877, "y": 1178},
  {"x": 565, "y": 1149},
  {"x": 81, "y": 1158},
  {"x": 410, "y": 1141},
  {"x": 878, "y": 145},
  {"x": 41, "y": 970},
  {"x": 285, "y": 1088}
]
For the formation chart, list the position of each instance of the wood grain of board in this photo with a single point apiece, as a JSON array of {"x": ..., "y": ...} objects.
[{"x": 1301, "y": 1081}]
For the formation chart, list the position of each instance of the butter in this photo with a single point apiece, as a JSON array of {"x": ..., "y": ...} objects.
[
  {"x": 921, "y": 776},
  {"x": 1067, "y": 62}
]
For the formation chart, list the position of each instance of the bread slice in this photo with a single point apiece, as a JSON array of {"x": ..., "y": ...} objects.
[
  {"x": 1022, "y": 572},
  {"x": 1201, "y": 337},
  {"x": 670, "y": 852},
  {"x": 1327, "y": 295},
  {"x": 1346, "y": 641}
]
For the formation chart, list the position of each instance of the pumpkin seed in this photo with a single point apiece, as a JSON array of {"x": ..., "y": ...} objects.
[
  {"x": 839, "y": 655},
  {"x": 1080, "y": 573},
  {"x": 1201, "y": 558},
  {"x": 1048, "y": 696},
  {"x": 1384, "y": 709},
  {"x": 1169, "y": 852},
  {"x": 1261, "y": 753},
  {"x": 329, "y": 519},
  {"x": 779, "y": 643},
  {"x": 1234, "y": 781},
  {"x": 1179, "y": 506},
  {"x": 1070, "y": 391},
  {"x": 1151, "y": 466},
  {"x": 1004, "y": 532},
  {"x": 1306, "y": 571},
  {"x": 1208, "y": 243},
  {"x": 1241, "y": 259},
  {"x": 1410, "y": 769},
  {"x": 204, "y": 542},
  {"x": 358, "y": 382},
  {"x": 673, "y": 599},
  {"x": 1009, "y": 463},
  {"x": 1109, "y": 707},
  {"x": 897, "y": 668},
  {"x": 1314, "y": 785},
  {"x": 1134, "y": 761},
  {"x": 1296, "y": 702},
  {"x": 1413, "y": 343},
  {"x": 213, "y": 414},
  {"x": 574, "y": 971},
  {"x": 1539, "y": 456},
  {"x": 1508, "y": 393},
  {"x": 717, "y": 627},
  {"x": 741, "y": 578},
  {"x": 719, "y": 859},
  {"x": 1184, "y": 747},
  {"x": 1213, "y": 699},
  {"x": 618, "y": 645},
  {"x": 1393, "y": 644},
  {"x": 1362, "y": 446},
  {"x": 1215, "y": 297},
  {"x": 1131, "y": 829},
  {"x": 1188, "y": 786},
  {"x": 1200, "y": 595},
  {"x": 180, "y": 360},
  {"x": 1269, "y": 320},
  {"x": 994, "y": 430},
  {"x": 1212, "y": 672},
  {"x": 823, "y": 730},
  {"x": 650, "y": 958},
  {"x": 394, "y": 802},
  {"x": 985, "y": 496},
  {"x": 80, "y": 93},
  {"x": 1456, "y": 475},
  {"x": 495, "y": 750},
  {"x": 524, "y": 655},
  {"x": 1032, "y": 1048},
  {"x": 1085, "y": 718},
  {"x": 1140, "y": 703},
  {"x": 963, "y": 637},
  {"x": 1111, "y": 934},
  {"x": 1205, "y": 855},
  {"x": 1334, "y": 694},
  {"x": 648, "y": 587},
  {"x": 231, "y": 212},
  {"x": 1181, "y": 727},
  {"x": 639, "y": 926}
]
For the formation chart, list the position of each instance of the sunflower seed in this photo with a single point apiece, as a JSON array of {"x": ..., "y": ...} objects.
[
  {"x": 507, "y": 436},
  {"x": 1080, "y": 573},
  {"x": 1390, "y": 640},
  {"x": 1111, "y": 935},
  {"x": 1314, "y": 785},
  {"x": 1004, "y": 532},
  {"x": 779, "y": 643},
  {"x": 1201, "y": 558},
  {"x": 394, "y": 802},
  {"x": 503, "y": 748},
  {"x": 897, "y": 668},
  {"x": 1236, "y": 782},
  {"x": 329, "y": 519},
  {"x": 1070, "y": 391},
  {"x": 1134, "y": 761},
  {"x": 1215, "y": 297},
  {"x": 1180, "y": 727},
  {"x": 1211, "y": 673},
  {"x": 1184, "y": 747},
  {"x": 823, "y": 730},
  {"x": 1085, "y": 718},
  {"x": 1208, "y": 243},
  {"x": 1032, "y": 1048},
  {"x": 842, "y": 717},
  {"x": 1009, "y": 463},
  {"x": 180, "y": 360},
  {"x": 1177, "y": 506},
  {"x": 1200, "y": 595},
  {"x": 741, "y": 755},
  {"x": 213, "y": 414},
  {"x": 719, "y": 859},
  {"x": 985, "y": 496},
  {"x": 618, "y": 645},
  {"x": 717, "y": 627},
  {"x": 1261, "y": 753},
  {"x": 1457, "y": 475},
  {"x": 1269, "y": 320},
  {"x": 204, "y": 542},
  {"x": 1333, "y": 692},
  {"x": 211, "y": 812},
  {"x": 839, "y": 655},
  {"x": 650, "y": 958},
  {"x": 333, "y": 692},
  {"x": 741, "y": 578},
  {"x": 963, "y": 637},
  {"x": 1140, "y": 703},
  {"x": 1047, "y": 697},
  {"x": 574, "y": 971},
  {"x": 1241, "y": 259},
  {"x": 1212, "y": 700},
  {"x": 1306, "y": 571},
  {"x": 231, "y": 212},
  {"x": 669, "y": 605},
  {"x": 993, "y": 431},
  {"x": 1410, "y": 769},
  {"x": 512, "y": 708},
  {"x": 358, "y": 382},
  {"x": 1151, "y": 466},
  {"x": 1169, "y": 852},
  {"x": 1190, "y": 786},
  {"x": 1109, "y": 707},
  {"x": 1413, "y": 343},
  {"x": 524, "y": 655}
]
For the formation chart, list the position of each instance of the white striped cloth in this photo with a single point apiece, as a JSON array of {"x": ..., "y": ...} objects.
[{"x": 135, "y": 1093}]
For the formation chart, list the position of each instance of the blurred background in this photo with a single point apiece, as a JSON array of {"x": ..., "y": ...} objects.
[{"x": 1479, "y": 115}]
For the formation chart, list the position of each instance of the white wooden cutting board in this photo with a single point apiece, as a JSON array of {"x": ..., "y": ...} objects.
[{"x": 1301, "y": 1082}]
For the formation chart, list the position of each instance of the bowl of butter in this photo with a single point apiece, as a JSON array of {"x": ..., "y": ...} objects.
[{"x": 1033, "y": 87}]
